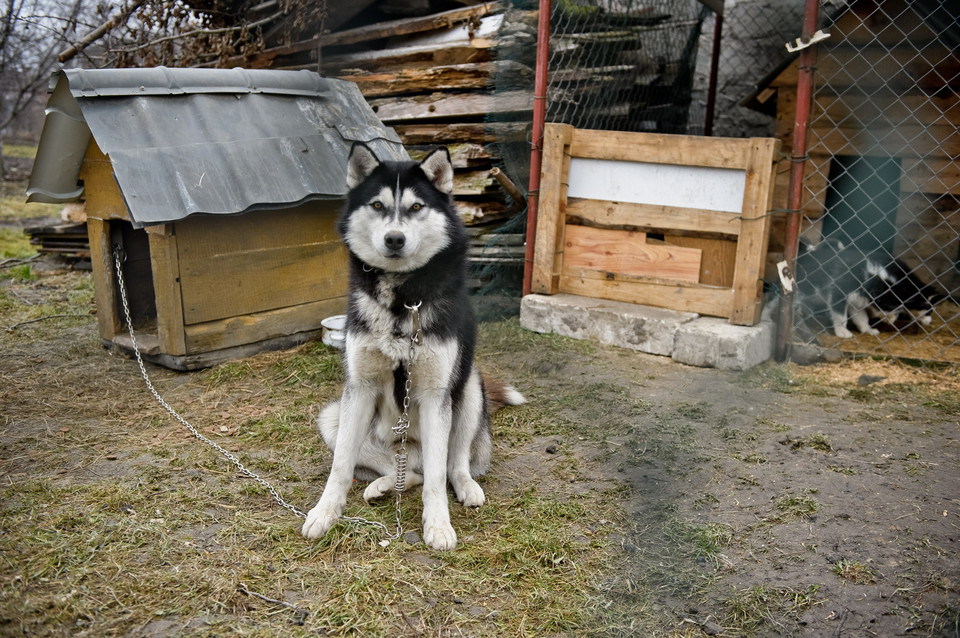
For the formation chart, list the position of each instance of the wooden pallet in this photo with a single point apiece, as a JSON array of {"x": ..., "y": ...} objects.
[{"x": 602, "y": 197}]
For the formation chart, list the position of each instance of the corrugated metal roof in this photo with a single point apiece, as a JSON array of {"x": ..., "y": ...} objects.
[{"x": 217, "y": 141}]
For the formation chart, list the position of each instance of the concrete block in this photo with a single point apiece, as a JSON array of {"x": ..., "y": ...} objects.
[
  {"x": 715, "y": 343},
  {"x": 644, "y": 328}
]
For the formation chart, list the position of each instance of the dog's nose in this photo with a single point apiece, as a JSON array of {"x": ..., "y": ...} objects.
[{"x": 394, "y": 240}]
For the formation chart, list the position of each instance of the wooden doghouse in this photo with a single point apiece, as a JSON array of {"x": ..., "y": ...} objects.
[
  {"x": 883, "y": 130},
  {"x": 220, "y": 189},
  {"x": 671, "y": 221}
]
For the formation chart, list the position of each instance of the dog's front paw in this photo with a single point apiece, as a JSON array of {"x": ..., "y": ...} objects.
[
  {"x": 842, "y": 332},
  {"x": 871, "y": 331},
  {"x": 319, "y": 521},
  {"x": 440, "y": 536},
  {"x": 379, "y": 488},
  {"x": 470, "y": 494}
]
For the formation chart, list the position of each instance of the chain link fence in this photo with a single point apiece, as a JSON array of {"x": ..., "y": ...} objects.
[
  {"x": 878, "y": 265},
  {"x": 878, "y": 269}
]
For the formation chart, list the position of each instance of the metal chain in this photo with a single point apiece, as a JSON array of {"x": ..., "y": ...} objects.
[
  {"x": 118, "y": 258},
  {"x": 403, "y": 423},
  {"x": 401, "y": 427}
]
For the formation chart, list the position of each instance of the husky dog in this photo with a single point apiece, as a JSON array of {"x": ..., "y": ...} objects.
[
  {"x": 407, "y": 250},
  {"x": 844, "y": 283},
  {"x": 905, "y": 300}
]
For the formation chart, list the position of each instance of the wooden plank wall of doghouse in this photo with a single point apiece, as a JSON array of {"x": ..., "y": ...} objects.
[{"x": 732, "y": 245}]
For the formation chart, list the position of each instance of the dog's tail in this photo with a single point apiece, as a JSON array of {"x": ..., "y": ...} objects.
[
  {"x": 500, "y": 395},
  {"x": 329, "y": 423}
]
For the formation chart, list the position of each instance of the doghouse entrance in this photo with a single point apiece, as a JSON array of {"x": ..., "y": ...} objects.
[
  {"x": 862, "y": 201},
  {"x": 138, "y": 284}
]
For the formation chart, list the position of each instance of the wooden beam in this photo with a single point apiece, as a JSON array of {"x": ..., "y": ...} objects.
[
  {"x": 650, "y": 217},
  {"x": 706, "y": 300},
  {"x": 450, "y": 77},
  {"x": 551, "y": 210},
  {"x": 457, "y": 132},
  {"x": 450, "y": 105},
  {"x": 684, "y": 150}
]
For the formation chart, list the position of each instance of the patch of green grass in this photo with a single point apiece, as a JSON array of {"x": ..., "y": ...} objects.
[
  {"x": 228, "y": 372},
  {"x": 770, "y": 424},
  {"x": 703, "y": 540},
  {"x": 519, "y": 569},
  {"x": 946, "y": 401},
  {"x": 846, "y": 471},
  {"x": 21, "y": 273},
  {"x": 14, "y": 244},
  {"x": 314, "y": 364},
  {"x": 819, "y": 442},
  {"x": 793, "y": 506},
  {"x": 855, "y": 572},
  {"x": 16, "y": 207},
  {"x": 508, "y": 336},
  {"x": 25, "y": 151},
  {"x": 750, "y": 609}
]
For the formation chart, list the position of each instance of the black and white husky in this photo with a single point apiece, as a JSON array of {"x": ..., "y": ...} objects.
[
  {"x": 843, "y": 283},
  {"x": 407, "y": 249}
]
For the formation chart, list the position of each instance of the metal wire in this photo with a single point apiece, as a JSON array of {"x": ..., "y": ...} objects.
[
  {"x": 118, "y": 255},
  {"x": 399, "y": 486}
]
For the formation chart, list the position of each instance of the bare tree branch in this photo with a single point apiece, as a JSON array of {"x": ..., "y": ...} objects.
[{"x": 99, "y": 32}]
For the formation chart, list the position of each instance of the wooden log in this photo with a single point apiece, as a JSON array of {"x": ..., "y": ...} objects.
[
  {"x": 463, "y": 156},
  {"x": 399, "y": 58},
  {"x": 439, "y": 78},
  {"x": 455, "y": 132},
  {"x": 448, "y": 106}
]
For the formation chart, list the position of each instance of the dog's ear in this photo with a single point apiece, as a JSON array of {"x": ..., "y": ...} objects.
[
  {"x": 362, "y": 162},
  {"x": 438, "y": 169}
]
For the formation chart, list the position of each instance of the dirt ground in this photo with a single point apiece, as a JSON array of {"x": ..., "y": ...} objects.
[{"x": 783, "y": 501}]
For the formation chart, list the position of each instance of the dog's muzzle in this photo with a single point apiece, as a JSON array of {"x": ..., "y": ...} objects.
[{"x": 394, "y": 242}]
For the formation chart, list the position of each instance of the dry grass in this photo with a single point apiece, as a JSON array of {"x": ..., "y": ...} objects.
[{"x": 117, "y": 522}]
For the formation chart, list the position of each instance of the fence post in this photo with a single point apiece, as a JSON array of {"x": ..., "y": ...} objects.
[
  {"x": 536, "y": 143},
  {"x": 808, "y": 57}
]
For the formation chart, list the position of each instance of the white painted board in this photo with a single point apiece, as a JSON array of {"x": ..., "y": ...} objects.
[{"x": 701, "y": 187}]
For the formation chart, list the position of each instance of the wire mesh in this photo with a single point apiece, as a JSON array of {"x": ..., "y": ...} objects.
[
  {"x": 878, "y": 269},
  {"x": 625, "y": 66}
]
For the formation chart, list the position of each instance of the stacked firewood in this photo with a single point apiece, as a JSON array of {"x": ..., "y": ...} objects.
[{"x": 462, "y": 78}]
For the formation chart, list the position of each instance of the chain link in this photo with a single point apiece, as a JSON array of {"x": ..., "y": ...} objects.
[
  {"x": 118, "y": 258},
  {"x": 400, "y": 429}
]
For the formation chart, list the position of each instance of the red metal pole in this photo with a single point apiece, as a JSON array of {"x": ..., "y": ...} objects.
[
  {"x": 714, "y": 66},
  {"x": 808, "y": 58},
  {"x": 539, "y": 115}
]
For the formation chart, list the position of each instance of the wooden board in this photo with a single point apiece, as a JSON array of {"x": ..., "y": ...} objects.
[
  {"x": 629, "y": 253},
  {"x": 449, "y": 105},
  {"x": 167, "y": 289},
  {"x": 259, "y": 261},
  {"x": 706, "y": 300},
  {"x": 717, "y": 258},
  {"x": 579, "y": 257},
  {"x": 379, "y": 83},
  {"x": 104, "y": 278},
  {"x": 103, "y": 197},
  {"x": 262, "y": 326}
]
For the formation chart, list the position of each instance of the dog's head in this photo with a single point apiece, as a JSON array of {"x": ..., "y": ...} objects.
[
  {"x": 399, "y": 214},
  {"x": 904, "y": 297}
]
